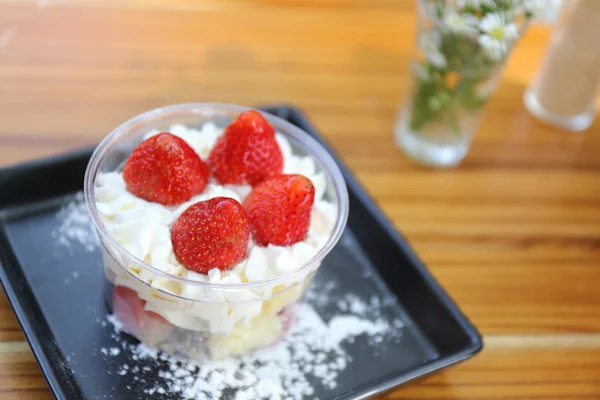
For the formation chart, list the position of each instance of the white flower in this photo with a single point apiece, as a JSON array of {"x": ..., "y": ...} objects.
[
  {"x": 476, "y": 4},
  {"x": 497, "y": 35},
  {"x": 437, "y": 59},
  {"x": 460, "y": 22},
  {"x": 495, "y": 49},
  {"x": 430, "y": 45},
  {"x": 495, "y": 25}
]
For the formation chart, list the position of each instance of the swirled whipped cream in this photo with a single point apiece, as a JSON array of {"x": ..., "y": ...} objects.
[{"x": 143, "y": 229}]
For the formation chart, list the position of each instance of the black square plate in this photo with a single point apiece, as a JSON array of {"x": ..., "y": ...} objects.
[{"x": 56, "y": 291}]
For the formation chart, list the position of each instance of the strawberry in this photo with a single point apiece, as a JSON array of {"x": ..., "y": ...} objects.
[
  {"x": 247, "y": 152},
  {"x": 146, "y": 326},
  {"x": 279, "y": 209},
  {"x": 165, "y": 169},
  {"x": 211, "y": 234}
]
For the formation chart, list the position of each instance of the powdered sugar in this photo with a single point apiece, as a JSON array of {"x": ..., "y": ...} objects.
[
  {"x": 113, "y": 351},
  {"x": 76, "y": 226},
  {"x": 344, "y": 326},
  {"x": 311, "y": 355},
  {"x": 115, "y": 322}
]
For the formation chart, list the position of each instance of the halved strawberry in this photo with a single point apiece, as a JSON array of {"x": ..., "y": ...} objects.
[
  {"x": 165, "y": 169},
  {"x": 247, "y": 152},
  {"x": 146, "y": 326},
  {"x": 211, "y": 234},
  {"x": 279, "y": 209}
]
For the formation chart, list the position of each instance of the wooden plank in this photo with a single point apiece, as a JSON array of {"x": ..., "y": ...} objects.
[
  {"x": 20, "y": 377},
  {"x": 515, "y": 374},
  {"x": 503, "y": 371}
]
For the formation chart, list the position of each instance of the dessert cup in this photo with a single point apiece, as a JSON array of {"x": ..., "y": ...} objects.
[{"x": 212, "y": 317}]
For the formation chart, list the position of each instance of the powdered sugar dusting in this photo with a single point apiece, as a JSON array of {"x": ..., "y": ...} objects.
[
  {"x": 342, "y": 327},
  {"x": 311, "y": 355},
  {"x": 76, "y": 226},
  {"x": 115, "y": 322}
]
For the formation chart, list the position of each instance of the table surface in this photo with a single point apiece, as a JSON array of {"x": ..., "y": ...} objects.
[{"x": 513, "y": 234}]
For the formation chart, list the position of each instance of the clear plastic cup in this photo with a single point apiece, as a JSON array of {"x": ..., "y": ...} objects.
[{"x": 192, "y": 318}]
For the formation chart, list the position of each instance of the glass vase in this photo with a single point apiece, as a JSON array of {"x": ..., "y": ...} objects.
[{"x": 460, "y": 53}]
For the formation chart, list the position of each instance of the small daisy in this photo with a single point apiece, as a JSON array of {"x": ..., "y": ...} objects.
[
  {"x": 466, "y": 23},
  {"x": 430, "y": 45},
  {"x": 497, "y": 35},
  {"x": 495, "y": 25},
  {"x": 495, "y": 49}
]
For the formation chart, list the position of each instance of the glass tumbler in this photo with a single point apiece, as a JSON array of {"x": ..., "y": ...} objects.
[{"x": 563, "y": 94}]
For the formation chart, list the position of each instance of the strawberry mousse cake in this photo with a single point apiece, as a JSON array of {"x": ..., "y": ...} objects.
[{"x": 212, "y": 231}]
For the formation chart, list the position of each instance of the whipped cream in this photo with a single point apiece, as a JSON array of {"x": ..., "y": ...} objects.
[{"x": 143, "y": 228}]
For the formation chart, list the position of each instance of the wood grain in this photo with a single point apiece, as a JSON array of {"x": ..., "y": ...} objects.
[
  {"x": 501, "y": 372},
  {"x": 20, "y": 377},
  {"x": 516, "y": 374},
  {"x": 513, "y": 234}
]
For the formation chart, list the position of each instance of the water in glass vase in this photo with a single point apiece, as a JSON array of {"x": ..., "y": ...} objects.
[
  {"x": 435, "y": 149},
  {"x": 439, "y": 134}
]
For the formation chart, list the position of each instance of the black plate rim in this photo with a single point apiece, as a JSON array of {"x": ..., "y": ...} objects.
[
  {"x": 295, "y": 116},
  {"x": 27, "y": 325}
]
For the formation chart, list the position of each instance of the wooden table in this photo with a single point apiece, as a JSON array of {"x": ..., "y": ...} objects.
[{"x": 513, "y": 234}]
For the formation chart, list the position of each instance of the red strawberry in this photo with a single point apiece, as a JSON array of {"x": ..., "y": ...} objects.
[
  {"x": 211, "y": 234},
  {"x": 146, "y": 326},
  {"x": 247, "y": 152},
  {"x": 165, "y": 169},
  {"x": 279, "y": 209}
]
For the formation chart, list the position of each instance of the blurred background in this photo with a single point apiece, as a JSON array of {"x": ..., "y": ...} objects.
[
  {"x": 513, "y": 233},
  {"x": 72, "y": 70}
]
